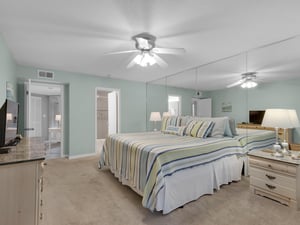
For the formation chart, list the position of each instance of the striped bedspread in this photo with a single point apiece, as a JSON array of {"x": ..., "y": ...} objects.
[
  {"x": 143, "y": 160},
  {"x": 252, "y": 139}
]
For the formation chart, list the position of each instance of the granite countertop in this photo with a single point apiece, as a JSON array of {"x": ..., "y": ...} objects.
[{"x": 29, "y": 149}]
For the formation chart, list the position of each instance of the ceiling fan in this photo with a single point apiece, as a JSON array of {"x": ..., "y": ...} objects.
[
  {"x": 247, "y": 80},
  {"x": 147, "y": 51}
]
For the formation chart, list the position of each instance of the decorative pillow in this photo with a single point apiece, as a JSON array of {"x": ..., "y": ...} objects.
[
  {"x": 175, "y": 130},
  {"x": 194, "y": 131},
  {"x": 164, "y": 123},
  {"x": 202, "y": 129},
  {"x": 218, "y": 129},
  {"x": 170, "y": 120},
  {"x": 190, "y": 126},
  {"x": 184, "y": 120}
]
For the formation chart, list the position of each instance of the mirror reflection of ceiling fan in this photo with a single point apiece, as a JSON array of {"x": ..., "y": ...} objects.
[
  {"x": 148, "y": 52},
  {"x": 247, "y": 80}
]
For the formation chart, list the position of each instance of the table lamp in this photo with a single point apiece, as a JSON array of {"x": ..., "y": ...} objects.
[
  {"x": 277, "y": 118},
  {"x": 155, "y": 116},
  {"x": 58, "y": 119}
]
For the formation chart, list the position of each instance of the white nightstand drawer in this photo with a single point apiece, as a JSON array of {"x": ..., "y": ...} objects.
[
  {"x": 274, "y": 166},
  {"x": 273, "y": 188},
  {"x": 273, "y": 178}
]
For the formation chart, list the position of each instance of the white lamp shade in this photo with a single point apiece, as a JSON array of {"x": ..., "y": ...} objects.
[
  {"x": 277, "y": 118},
  {"x": 166, "y": 114},
  {"x": 155, "y": 116},
  {"x": 58, "y": 117},
  {"x": 294, "y": 118}
]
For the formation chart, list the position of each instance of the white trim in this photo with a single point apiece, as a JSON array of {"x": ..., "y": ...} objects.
[{"x": 81, "y": 155}]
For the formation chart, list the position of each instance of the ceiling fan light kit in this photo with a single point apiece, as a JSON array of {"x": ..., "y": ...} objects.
[
  {"x": 247, "y": 80},
  {"x": 249, "y": 84},
  {"x": 147, "y": 51},
  {"x": 144, "y": 59}
]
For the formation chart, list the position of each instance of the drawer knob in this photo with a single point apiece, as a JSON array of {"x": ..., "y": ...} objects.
[
  {"x": 270, "y": 177},
  {"x": 270, "y": 166},
  {"x": 271, "y": 187}
]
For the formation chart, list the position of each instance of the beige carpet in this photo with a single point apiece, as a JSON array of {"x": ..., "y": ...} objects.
[{"x": 77, "y": 193}]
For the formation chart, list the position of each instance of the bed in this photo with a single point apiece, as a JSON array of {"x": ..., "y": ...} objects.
[{"x": 169, "y": 169}]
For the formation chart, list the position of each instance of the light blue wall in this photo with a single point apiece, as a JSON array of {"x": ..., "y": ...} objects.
[
  {"x": 157, "y": 100},
  {"x": 7, "y": 70},
  {"x": 80, "y": 106},
  {"x": 283, "y": 94},
  {"x": 236, "y": 97}
]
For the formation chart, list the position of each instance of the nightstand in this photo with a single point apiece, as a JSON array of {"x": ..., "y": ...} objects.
[{"x": 275, "y": 178}]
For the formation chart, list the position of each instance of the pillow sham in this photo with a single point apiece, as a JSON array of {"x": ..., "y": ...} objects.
[{"x": 233, "y": 127}]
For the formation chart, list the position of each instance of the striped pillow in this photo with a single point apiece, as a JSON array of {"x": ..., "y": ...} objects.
[
  {"x": 190, "y": 126},
  {"x": 164, "y": 123},
  {"x": 170, "y": 121},
  {"x": 175, "y": 130},
  {"x": 199, "y": 128},
  {"x": 205, "y": 129}
]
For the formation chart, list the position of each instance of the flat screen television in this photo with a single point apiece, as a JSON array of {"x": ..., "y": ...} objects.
[
  {"x": 256, "y": 116},
  {"x": 9, "y": 115}
]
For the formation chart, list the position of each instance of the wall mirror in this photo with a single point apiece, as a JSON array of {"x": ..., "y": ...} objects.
[{"x": 276, "y": 70}]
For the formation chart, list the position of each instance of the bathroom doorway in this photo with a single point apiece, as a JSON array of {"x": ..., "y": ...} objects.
[
  {"x": 107, "y": 114},
  {"x": 44, "y": 115}
]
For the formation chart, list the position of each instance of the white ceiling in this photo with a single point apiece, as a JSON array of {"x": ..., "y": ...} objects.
[{"x": 75, "y": 35}]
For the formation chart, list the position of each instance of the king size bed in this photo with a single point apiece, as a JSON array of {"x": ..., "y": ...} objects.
[{"x": 179, "y": 164}]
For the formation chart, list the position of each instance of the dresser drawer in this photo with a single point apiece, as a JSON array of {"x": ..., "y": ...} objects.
[
  {"x": 273, "y": 178},
  {"x": 274, "y": 166},
  {"x": 273, "y": 188}
]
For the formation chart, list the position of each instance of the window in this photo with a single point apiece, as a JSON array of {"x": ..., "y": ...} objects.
[{"x": 174, "y": 105}]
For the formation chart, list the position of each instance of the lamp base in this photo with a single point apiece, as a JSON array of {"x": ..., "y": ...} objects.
[
  {"x": 285, "y": 150},
  {"x": 277, "y": 149}
]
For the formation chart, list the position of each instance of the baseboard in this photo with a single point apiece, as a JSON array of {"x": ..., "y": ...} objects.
[{"x": 81, "y": 155}]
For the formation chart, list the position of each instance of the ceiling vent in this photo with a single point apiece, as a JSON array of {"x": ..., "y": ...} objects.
[{"x": 43, "y": 74}]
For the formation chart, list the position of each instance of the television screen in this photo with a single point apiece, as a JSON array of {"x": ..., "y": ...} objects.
[
  {"x": 256, "y": 116},
  {"x": 8, "y": 122}
]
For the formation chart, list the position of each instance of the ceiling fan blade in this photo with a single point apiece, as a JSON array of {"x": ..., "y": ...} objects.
[
  {"x": 175, "y": 51},
  {"x": 235, "y": 83},
  {"x": 121, "y": 52},
  {"x": 159, "y": 60}
]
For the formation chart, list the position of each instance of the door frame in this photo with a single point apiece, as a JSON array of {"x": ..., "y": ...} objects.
[
  {"x": 27, "y": 102},
  {"x": 118, "y": 110}
]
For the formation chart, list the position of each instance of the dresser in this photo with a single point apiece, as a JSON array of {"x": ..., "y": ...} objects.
[
  {"x": 275, "y": 178},
  {"x": 21, "y": 183}
]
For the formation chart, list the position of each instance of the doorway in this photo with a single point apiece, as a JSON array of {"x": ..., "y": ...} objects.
[
  {"x": 44, "y": 115},
  {"x": 107, "y": 114}
]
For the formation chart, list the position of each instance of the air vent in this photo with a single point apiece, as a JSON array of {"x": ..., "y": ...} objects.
[{"x": 45, "y": 74}]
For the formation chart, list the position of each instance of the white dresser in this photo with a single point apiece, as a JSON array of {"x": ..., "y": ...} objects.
[
  {"x": 21, "y": 183},
  {"x": 275, "y": 178}
]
